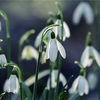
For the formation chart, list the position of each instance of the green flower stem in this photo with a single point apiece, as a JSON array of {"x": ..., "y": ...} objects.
[
  {"x": 50, "y": 95},
  {"x": 3, "y": 14},
  {"x": 67, "y": 83},
  {"x": 38, "y": 63},
  {"x": 19, "y": 76},
  {"x": 60, "y": 58}
]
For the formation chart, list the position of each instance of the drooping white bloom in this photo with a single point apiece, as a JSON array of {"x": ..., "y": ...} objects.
[
  {"x": 80, "y": 85},
  {"x": 3, "y": 60},
  {"x": 58, "y": 31},
  {"x": 88, "y": 55},
  {"x": 85, "y": 10},
  {"x": 92, "y": 80},
  {"x": 54, "y": 74},
  {"x": 52, "y": 50},
  {"x": 29, "y": 52},
  {"x": 12, "y": 84}
]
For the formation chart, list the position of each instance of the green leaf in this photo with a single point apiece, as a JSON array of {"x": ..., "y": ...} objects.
[
  {"x": 44, "y": 94},
  {"x": 62, "y": 95},
  {"x": 1, "y": 95},
  {"x": 27, "y": 91}
]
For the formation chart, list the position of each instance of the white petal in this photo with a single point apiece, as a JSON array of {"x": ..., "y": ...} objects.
[
  {"x": 48, "y": 84},
  {"x": 47, "y": 50},
  {"x": 29, "y": 52},
  {"x": 86, "y": 87},
  {"x": 53, "y": 50},
  {"x": 61, "y": 49},
  {"x": 54, "y": 74},
  {"x": 66, "y": 31},
  {"x": 6, "y": 87},
  {"x": 88, "y": 13},
  {"x": 75, "y": 84},
  {"x": 63, "y": 80},
  {"x": 96, "y": 56},
  {"x": 85, "y": 60},
  {"x": 38, "y": 39},
  {"x": 81, "y": 86},
  {"x": 3, "y": 59},
  {"x": 92, "y": 78},
  {"x": 78, "y": 13},
  {"x": 14, "y": 84}
]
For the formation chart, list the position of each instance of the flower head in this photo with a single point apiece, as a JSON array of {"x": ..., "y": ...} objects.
[
  {"x": 53, "y": 47},
  {"x": 3, "y": 60},
  {"x": 85, "y": 10},
  {"x": 88, "y": 55},
  {"x": 29, "y": 52},
  {"x": 54, "y": 74},
  {"x": 80, "y": 85},
  {"x": 92, "y": 80},
  {"x": 58, "y": 30},
  {"x": 12, "y": 84}
]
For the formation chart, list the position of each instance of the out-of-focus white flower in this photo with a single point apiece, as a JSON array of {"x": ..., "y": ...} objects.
[
  {"x": 58, "y": 31},
  {"x": 80, "y": 85},
  {"x": 85, "y": 10},
  {"x": 92, "y": 80},
  {"x": 88, "y": 55},
  {"x": 52, "y": 49},
  {"x": 54, "y": 74},
  {"x": 29, "y": 52},
  {"x": 3, "y": 60},
  {"x": 12, "y": 84}
]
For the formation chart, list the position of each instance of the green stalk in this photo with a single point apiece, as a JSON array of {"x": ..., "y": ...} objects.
[
  {"x": 60, "y": 58},
  {"x": 38, "y": 63},
  {"x": 19, "y": 76},
  {"x": 50, "y": 95},
  {"x": 3, "y": 14}
]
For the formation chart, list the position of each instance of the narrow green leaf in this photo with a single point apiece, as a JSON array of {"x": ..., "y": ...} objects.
[
  {"x": 27, "y": 91},
  {"x": 44, "y": 94},
  {"x": 1, "y": 95},
  {"x": 62, "y": 95}
]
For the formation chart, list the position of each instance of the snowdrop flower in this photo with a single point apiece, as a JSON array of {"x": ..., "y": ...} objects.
[
  {"x": 12, "y": 84},
  {"x": 29, "y": 52},
  {"x": 54, "y": 74},
  {"x": 92, "y": 80},
  {"x": 58, "y": 31},
  {"x": 3, "y": 60},
  {"x": 85, "y": 10},
  {"x": 53, "y": 47},
  {"x": 88, "y": 55},
  {"x": 80, "y": 85}
]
